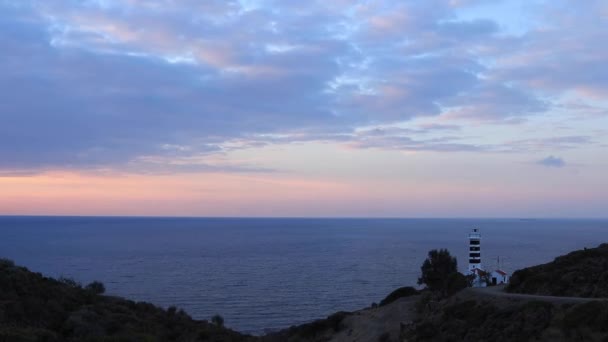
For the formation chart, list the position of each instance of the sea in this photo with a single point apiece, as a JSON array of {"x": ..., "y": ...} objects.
[{"x": 265, "y": 274}]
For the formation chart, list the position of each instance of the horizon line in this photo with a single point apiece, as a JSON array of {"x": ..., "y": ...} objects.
[{"x": 306, "y": 217}]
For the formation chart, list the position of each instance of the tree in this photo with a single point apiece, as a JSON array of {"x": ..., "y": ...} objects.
[
  {"x": 456, "y": 282},
  {"x": 485, "y": 277},
  {"x": 96, "y": 287},
  {"x": 471, "y": 279},
  {"x": 217, "y": 320},
  {"x": 437, "y": 270},
  {"x": 69, "y": 282}
]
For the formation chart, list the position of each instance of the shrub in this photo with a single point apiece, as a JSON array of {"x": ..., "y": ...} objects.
[
  {"x": 592, "y": 314},
  {"x": 422, "y": 304},
  {"x": 456, "y": 282},
  {"x": 38, "y": 308},
  {"x": 96, "y": 287},
  {"x": 582, "y": 273},
  {"x": 401, "y": 292},
  {"x": 335, "y": 320},
  {"x": 6, "y": 263},
  {"x": 317, "y": 328},
  {"x": 470, "y": 279},
  {"x": 217, "y": 320},
  {"x": 437, "y": 269},
  {"x": 385, "y": 337},
  {"x": 426, "y": 331},
  {"x": 69, "y": 282}
]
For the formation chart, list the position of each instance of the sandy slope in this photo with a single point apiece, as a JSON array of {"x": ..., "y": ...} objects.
[{"x": 371, "y": 324}]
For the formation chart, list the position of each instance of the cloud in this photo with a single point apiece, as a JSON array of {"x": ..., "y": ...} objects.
[
  {"x": 494, "y": 102},
  {"x": 442, "y": 127},
  {"x": 561, "y": 53},
  {"x": 551, "y": 143},
  {"x": 468, "y": 29},
  {"x": 410, "y": 140},
  {"x": 552, "y": 161},
  {"x": 103, "y": 84},
  {"x": 73, "y": 107}
]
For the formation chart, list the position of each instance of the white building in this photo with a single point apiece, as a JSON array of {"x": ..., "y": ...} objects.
[
  {"x": 480, "y": 277},
  {"x": 499, "y": 277}
]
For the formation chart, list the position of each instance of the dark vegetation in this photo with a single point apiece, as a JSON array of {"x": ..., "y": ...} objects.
[
  {"x": 319, "y": 330},
  {"x": 96, "y": 287},
  {"x": 439, "y": 273},
  {"x": 582, "y": 273},
  {"x": 37, "y": 308},
  {"x": 475, "y": 320},
  {"x": 466, "y": 317},
  {"x": 217, "y": 320}
]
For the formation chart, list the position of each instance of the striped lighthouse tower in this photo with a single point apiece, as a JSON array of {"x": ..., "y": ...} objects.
[{"x": 475, "y": 251}]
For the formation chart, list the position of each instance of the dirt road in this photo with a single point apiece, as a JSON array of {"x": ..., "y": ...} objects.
[{"x": 498, "y": 291}]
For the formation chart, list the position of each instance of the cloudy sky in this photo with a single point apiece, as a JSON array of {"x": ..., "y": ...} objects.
[{"x": 409, "y": 108}]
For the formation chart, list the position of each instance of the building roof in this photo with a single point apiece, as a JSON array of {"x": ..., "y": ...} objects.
[{"x": 501, "y": 272}]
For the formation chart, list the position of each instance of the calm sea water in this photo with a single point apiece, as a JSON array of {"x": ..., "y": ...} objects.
[{"x": 271, "y": 273}]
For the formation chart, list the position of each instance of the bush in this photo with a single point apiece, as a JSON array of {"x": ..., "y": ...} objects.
[
  {"x": 456, "y": 282},
  {"x": 314, "y": 329},
  {"x": 69, "y": 282},
  {"x": 385, "y": 337},
  {"x": 422, "y": 304},
  {"x": 592, "y": 315},
  {"x": 6, "y": 263},
  {"x": 401, "y": 292},
  {"x": 582, "y": 273},
  {"x": 437, "y": 269},
  {"x": 335, "y": 320},
  {"x": 38, "y": 308},
  {"x": 425, "y": 331},
  {"x": 218, "y": 320},
  {"x": 96, "y": 287}
]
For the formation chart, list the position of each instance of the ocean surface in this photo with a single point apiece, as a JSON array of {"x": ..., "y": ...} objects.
[{"x": 267, "y": 274}]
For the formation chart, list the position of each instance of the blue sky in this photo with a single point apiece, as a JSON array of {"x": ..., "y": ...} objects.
[{"x": 318, "y": 108}]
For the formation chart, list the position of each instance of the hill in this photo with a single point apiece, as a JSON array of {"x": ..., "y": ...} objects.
[
  {"x": 582, "y": 273},
  {"x": 563, "y": 300},
  {"x": 471, "y": 317},
  {"x": 38, "y": 308},
  {"x": 376, "y": 323}
]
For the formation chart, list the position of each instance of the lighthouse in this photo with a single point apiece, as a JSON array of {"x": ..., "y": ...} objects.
[
  {"x": 475, "y": 251},
  {"x": 482, "y": 278}
]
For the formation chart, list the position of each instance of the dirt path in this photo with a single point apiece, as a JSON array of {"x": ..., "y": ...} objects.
[{"x": 498, "y": 291}]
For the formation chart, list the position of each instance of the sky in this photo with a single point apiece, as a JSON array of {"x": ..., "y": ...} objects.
[{"x": 427, "y": 108}]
